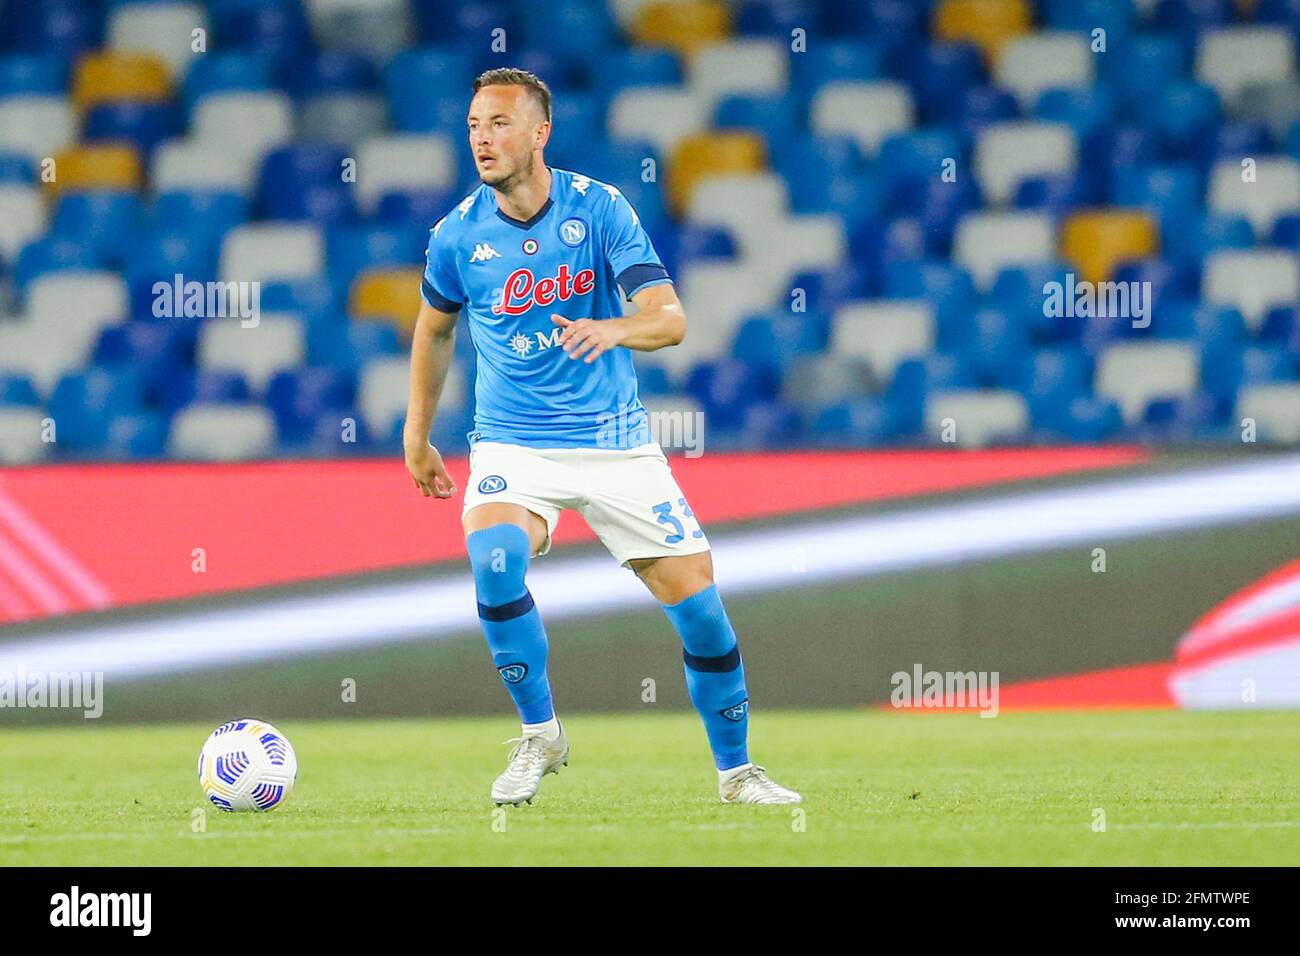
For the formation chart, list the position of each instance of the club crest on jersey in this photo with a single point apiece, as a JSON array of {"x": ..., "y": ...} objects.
[
  {"x": 530, "y": 246},
  {"x": 522, "y": 290},
  {"x": 573, "y": 232},
  {"x": 513, "y": 673},
  {"x": 491, "y": 485},
  {"x": 738, "y": 712}
]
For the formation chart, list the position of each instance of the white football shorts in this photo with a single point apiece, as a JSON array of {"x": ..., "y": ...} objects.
[{"x": 628, "y": 496}]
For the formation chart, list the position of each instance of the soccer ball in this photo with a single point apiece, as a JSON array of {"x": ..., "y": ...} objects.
[{"x": 247, "y": 764}]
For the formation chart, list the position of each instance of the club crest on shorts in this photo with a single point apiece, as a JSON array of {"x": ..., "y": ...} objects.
[
  {"x": 573, "y": 231},
  {"x": 513, "y": 673},
  {"x": 738, "y": 712},
  {"x": 491, "y": 485}
]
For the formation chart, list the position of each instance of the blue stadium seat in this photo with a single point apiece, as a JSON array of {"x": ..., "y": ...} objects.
[
  {"x": 207, "y": 214},
  {"x": 84, "y": 402},
  {"x": 220, "y": 72},
  {"x": 1227, "y": 368},
  {"x": 32, "y": 73},
  {"x": 17, "y": 390},
  {"x": 66, "y": 28},
  {"x": 54, "y": 254},
  {"x": 1192, "y": 236},
  {"x": 186, "y": 386},
  {"x": 275, "y": 29},
  {"x": 827, "y": 289},
  {"x": 418, "y": 82},
  {"x": 916, "y": 378},
  {"x": 305, "y": 182},
  {"x": 778, "y": 338},
  {"x": 834, "y": 61},
  {"x": 15, "y": 168},
  {"x": 726, "y": 388},
  {"x": 159, "y": 256},
  {"x": 298, "y": 398},
  {"x": 143, "y": 125},
  {"x": 106, "y": 221},
  {"x": 864, "y": 422},
  {"x": 941, "y": 75},
  {"x": 333, "y": 71},
  {"x": 1086, "y": 111},
  {"x": 350, "y": 249},
  {"x": 349, "y": 346}
]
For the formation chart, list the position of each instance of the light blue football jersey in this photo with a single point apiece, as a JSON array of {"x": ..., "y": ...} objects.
[{"x": 509, "y": 276}]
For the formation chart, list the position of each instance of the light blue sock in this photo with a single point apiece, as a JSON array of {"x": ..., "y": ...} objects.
[
  {"x": 715, "y": 676},
  {"x": 514, "y": 631}
]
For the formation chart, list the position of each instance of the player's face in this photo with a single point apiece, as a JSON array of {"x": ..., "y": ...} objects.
[{"x": 504, "y": 131}]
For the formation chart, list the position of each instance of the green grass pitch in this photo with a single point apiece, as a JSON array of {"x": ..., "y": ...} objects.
[{"x": 879, "y": 787}]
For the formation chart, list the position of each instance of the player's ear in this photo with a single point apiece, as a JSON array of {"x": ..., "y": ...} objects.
[{"x": 543, "y": 135}]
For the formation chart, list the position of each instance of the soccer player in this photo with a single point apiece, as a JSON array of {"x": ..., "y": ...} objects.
[{"x": 536, "y": 256}]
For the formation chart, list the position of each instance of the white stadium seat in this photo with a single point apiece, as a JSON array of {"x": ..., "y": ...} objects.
[
  {"x": 1042, "y": 61},
  {"x": 987, "y": 242},
  {"x": 716, "y": 296},
  {"x": 36, "y": 126},
  {"x": 1252, "y": 281},
  {"x": 185, "y": 164},
  {"x": 1232, "y": 58},
  {"x": 71, "y": 307},
  {"x": 868, "y": 112},
  {"x": 660, "y": 115},
  {"x": 20, "y": 435},
  {"x": 1275, "y": 409},
  {"x": 379, "y": 28},
  {"x": 798, "y": 244},
  {"x": 219, "y": 431},
  {"x": 748, "y": 204},
  {"x": 1134, "y": 373},
  {"x": 22, "y": 219},
  {"x": 345, "y": 118},
  {"x": 265, "y": 251},
  {"x": 257, "y": 351},
  {"x": 164, "y": 29},
  {"x": 978, "y": 417},
  {"x": 1005, "y": 153},
  {"x": 883, "y": 332},
  {"x": 384, "y": 389},
  {"x": 1274, "y": 190},
  {"x": 249, "y": 125},
  {"x": 739, "y": 67},
  {"x": 403, "y": 161}
]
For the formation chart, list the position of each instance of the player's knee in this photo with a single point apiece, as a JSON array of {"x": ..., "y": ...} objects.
[{"x": 499, "y": 558}]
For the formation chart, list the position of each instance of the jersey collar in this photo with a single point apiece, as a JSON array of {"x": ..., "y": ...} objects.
[{"x": 537, "y": 216}]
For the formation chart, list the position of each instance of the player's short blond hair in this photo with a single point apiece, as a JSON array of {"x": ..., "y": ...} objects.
[{"x": 509, "y": 76}]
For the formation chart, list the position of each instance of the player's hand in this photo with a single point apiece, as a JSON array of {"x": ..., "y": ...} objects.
[
  {"x": 588, "y": 337},
  {"x": 427, "y": 470}
]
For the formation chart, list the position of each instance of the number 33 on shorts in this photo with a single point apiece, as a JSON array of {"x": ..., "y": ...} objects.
[{"x": 677, "y": 533}]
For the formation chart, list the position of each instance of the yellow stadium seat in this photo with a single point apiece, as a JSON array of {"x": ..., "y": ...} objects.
[
  {"x": 97, "y": 166},
  {"x": 987, "y": 23},
  {"x": 106, "y": 77},
  {"x": 1095, "y": 242},
  {"x": 392, "y": 295},
  {"x": 711, "y": 154},
  {"x": 682, "y": 26}
]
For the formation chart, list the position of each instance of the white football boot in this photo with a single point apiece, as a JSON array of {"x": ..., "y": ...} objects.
[
  {"x": 749, "y": 783},
  {"x": 532, "y": 759}
]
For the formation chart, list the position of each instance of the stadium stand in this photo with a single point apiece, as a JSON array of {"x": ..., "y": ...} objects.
[{"x": 865, "y": 205}]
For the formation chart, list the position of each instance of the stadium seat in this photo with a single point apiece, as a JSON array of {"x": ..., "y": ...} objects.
[
  {"x": 1274, "y": 408},
  {"x": 1262, "y": 191},
  {"x": 36, "y": 126},
  {"x": 102, "y": 166},
  {"x": 977, "y": 417},
  {"x": 684, "y": 26},
  {"x": 1251, "y": 281},
  {"x": 214, "y": 431},
  {"x": 385, "y": 388},
  {"x": 1230, "y": 59},
  {"x": 165, "y": 30},
  {"x": 1132, "y": 374},
  {"x": 21, "y": 441},
  {"x": 1096, "y": 242},
  {"x": 701, "y": 157},
  {"x": 662, "y": 115},
  {"x": 22, "y": 218},
  {"x": 986, "y": 243},
  {"x": 989, "y": 24},
  {"x": 391, "y": 295},
  {"x": 883, "y": 333},
  {"x": 254, "y": 351},
  {"x": 107, "y": 77},
  {"x": 1037, "y": 62},
  {"x": 403, "y": 162},
  {"x": 254, "y": 253},
  {"x": 1005, "y": 153},
  {"x": 868, "y": 112}
]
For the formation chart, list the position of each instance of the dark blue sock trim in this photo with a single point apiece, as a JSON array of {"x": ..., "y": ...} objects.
[
  {"x": 507, "y": 612},
  {"x": 714, "y": 665}
]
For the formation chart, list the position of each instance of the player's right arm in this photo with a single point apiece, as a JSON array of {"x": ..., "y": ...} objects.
[{"x": 431, "y": 350}]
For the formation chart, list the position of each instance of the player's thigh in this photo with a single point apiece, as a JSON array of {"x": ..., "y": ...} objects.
[
  {"x": 636, "y": 508},
  {"x": 675, "y": 578},
  {"x": 505, "y": 512}
]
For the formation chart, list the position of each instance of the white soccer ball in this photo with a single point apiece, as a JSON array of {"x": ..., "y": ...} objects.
[{"x": 247, "y": 764}]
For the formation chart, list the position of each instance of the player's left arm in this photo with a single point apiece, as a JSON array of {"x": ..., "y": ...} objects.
[{"x": 658, "y": 323}]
